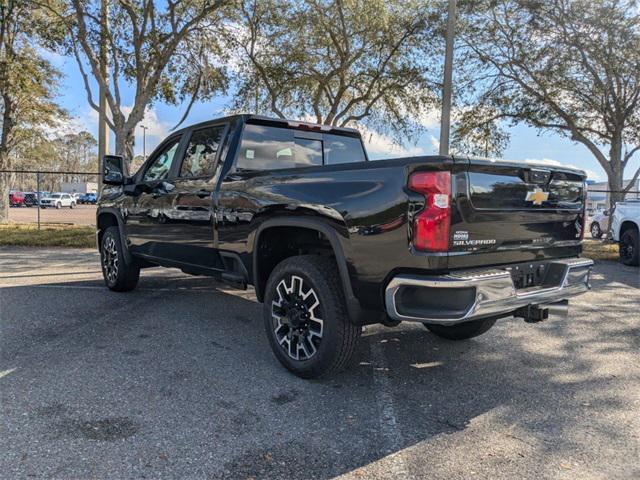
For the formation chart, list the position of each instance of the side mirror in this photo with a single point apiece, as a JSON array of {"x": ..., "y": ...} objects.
[
  {"x": 113, "y": 170},
  {"x": 606, "y": 213}
]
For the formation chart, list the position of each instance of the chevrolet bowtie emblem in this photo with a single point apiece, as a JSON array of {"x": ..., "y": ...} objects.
[{"x": 537, "y": 196}]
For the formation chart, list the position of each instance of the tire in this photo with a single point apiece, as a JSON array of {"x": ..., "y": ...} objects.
[
  {"x": 300, "y": 291},
  {"x": 630, "y": 248},
  {"x": 58, "y": 206},
  {"x": 118, "y": 275},
  {"x": 596, "y": 232},
  {"x": 72, "y": 206},
  {"x": 461, "y": 331}
]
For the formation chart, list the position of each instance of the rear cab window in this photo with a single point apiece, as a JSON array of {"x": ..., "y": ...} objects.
[{"x": 265, "y": 147}]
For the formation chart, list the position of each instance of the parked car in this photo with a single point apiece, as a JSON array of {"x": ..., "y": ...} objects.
[
  {"x": 88, "y": 198},
  {"x": 58, "y": 200},
  {"x": 625, "y": 229},
  {"x": 30, "y": 199},
  {"x": 332, "y": 242},
  {"x": 16, "y": 199},
  {"x": 599, "y": 224}
]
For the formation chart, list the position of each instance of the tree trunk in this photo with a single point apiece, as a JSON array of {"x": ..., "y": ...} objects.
[
  {"x": 615, "y": 181},
  {"x": 4, "y": 196},
  {"x": 615, "y": 178},
  {"x": 124, "y": 145}
]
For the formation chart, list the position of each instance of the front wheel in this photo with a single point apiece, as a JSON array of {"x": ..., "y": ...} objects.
[
  {"x": 305, "y": 317},
  {"x": 58, "y": 206},
  {"x": 461, "y": 331},
  {"x": 596, "y": 232},
  {"x": 72, "y": 205},
  {"x": 630, "y": 248},
  {"x": 118, "y": 275}
]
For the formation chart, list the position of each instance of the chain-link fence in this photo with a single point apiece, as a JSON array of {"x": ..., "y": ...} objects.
[
  {"x": 598, "y": 199},
  {"x": 46, "y": 197}
]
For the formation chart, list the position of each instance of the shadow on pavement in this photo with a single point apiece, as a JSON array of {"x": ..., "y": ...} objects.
[{"x": 169, "y": 381}]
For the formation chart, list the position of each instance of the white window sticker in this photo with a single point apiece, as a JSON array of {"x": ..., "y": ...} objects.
[{"x": 250, "y": 153}]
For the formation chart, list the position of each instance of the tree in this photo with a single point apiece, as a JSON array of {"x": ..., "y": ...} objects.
[
  {"x": 340, "y": 62},
  {"x": 27, "y": 84},
  {"x": 567, "y": 66},
  {"x": 164, "y": 53}
]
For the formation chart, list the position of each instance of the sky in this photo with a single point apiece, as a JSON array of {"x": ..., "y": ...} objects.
[{"x": 526, "y": 143}]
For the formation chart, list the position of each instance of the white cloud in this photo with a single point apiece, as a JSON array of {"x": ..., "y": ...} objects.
[
  {"x": 429, "y": 119},
  {"x": 381, "y": 146},
  {"x": 56, "y": 59},
  {"x": 435, "y": 143},
  {"x": 155, "y": 127}
]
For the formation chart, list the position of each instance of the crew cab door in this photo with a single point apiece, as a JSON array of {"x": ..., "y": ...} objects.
[
  {"x": 189, "y": 224},
  {"x": 147, "y": 213}
]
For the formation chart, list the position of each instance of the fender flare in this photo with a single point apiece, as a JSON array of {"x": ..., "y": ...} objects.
[
  {"x": 116, "y": 213},
  {"x": 353, "y": 305}
]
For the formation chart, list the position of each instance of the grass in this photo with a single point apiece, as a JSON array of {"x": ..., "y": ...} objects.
[
  {"x": 599, "y": 250},
  {"x": 49, "y": 235}
]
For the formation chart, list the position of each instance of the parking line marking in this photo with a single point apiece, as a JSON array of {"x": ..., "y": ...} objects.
[
  {"x": 388, "y": 420},
  {"x": 4, "y": 373}
]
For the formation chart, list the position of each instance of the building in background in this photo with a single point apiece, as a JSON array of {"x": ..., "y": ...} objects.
[
  {"x": 79, "y": 187},
  {"x": 598, "y": 196}
]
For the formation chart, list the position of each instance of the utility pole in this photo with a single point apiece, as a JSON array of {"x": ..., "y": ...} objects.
[
  {"x": 144, "y": 142},
  {"x": 103, "y": 132},
  {"x": 445, "y": 121}
]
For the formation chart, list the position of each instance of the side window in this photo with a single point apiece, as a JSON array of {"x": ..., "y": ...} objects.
[
  {"x": 160, "y": 165},
  {"x": 272, "y": 148},
  {"x": 342, "y": 149},
  {"x": 199, "y": 159}
]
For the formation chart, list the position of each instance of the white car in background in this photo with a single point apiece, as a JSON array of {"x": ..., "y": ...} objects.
[
  {"x": 625, "y": 229},
  {"x": 58, "y": 200},
  {"x": 599, "y": 224}
]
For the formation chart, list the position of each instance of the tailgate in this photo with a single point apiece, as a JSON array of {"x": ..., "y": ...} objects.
[{"x": 515, "y": 212}]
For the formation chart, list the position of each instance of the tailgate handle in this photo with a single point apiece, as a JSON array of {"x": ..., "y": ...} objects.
[{"x": 538, "y": 176}]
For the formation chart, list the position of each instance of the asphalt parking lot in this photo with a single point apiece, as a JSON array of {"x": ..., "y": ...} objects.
[{"x": 176, "y": 380}]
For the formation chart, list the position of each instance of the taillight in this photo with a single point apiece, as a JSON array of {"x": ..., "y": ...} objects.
[{"x": 431, "y": 224}]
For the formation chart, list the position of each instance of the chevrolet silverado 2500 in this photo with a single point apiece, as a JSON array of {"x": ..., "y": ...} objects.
[{"x": 332, "y": 241}]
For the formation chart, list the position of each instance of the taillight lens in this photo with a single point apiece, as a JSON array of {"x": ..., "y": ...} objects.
[{"x": 431, "y": 224}]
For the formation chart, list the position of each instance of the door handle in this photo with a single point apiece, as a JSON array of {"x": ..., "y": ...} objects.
[{"x": 203, "y": 193}]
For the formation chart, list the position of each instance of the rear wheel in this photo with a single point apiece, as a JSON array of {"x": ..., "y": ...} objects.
[
  {"x": 461, "y": 331},
  {"x": 72, "y": 205},
  {"x": 595, "y": 230},
  {"x": 305, "y": 317},
  {"x": 629, "y": 248},
  {"x": 118, "y": 275}
]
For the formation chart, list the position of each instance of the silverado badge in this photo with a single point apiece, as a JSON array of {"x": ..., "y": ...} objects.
[{"x": 537, "y": 196}]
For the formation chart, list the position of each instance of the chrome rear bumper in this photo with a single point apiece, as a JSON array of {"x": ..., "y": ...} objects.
[{"x": 469, "y": 295}]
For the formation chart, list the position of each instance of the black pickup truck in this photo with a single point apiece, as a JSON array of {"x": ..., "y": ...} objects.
[{"x": 332, "y": 241}]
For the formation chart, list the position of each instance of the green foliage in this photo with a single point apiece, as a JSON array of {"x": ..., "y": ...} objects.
[
  {"x": 338, "y": 62},
  {"x": 28, "y": 83},
  {"x": 567, "y": 66},
  {"x": 169, "y": 53},
  {"x": 28, "y": 235}
]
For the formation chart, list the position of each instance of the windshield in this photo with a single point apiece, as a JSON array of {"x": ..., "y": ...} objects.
[{"x": 55, "y": 195}]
